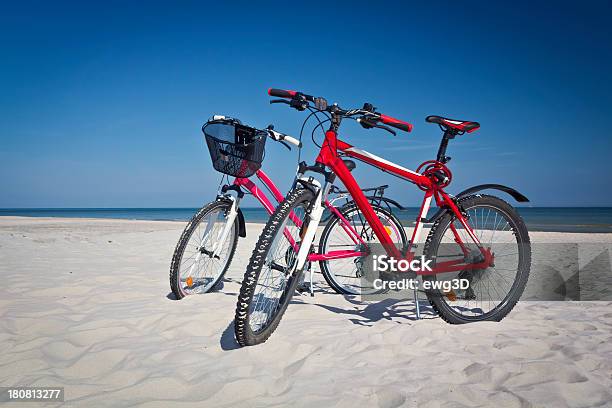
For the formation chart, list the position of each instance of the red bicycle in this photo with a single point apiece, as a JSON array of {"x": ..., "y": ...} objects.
[
  {"x": 476, "y": 237},
  {"x": 207, "y": 245}
]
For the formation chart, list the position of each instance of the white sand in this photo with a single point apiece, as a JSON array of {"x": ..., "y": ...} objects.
[{"x": 84, "y": 305}]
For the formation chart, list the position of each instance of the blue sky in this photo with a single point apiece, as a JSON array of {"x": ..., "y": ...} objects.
[{"x": 102, "y": 102}]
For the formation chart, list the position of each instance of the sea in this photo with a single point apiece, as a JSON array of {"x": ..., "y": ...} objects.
[{"x": 559, "y": 219}]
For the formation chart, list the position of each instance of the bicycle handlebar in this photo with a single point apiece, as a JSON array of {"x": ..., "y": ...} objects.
[
  {"x": 321, "y": 104},
  {"x": 396, "y": 123},
  {"x": 281, "y": 137},
  {"x": 285, "y": 93},
  {"x": 281, "y": 93}
]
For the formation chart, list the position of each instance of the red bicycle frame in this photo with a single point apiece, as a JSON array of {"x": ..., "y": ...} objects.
[{"x": 328, "y": 156}]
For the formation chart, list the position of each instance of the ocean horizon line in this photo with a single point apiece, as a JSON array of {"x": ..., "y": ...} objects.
[
  {"x": 250, "y": 207},
  {"x": 557, "y": 219}
]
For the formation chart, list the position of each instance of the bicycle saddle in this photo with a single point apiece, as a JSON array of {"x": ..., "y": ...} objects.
[{"x": 461, "y": 125}]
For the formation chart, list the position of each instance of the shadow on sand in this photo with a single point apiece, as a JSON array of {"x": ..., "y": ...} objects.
[
  {"x": 368, "y": 313},
  {"x": 363, "y": 313},
  {"x": 227, "y": 341}
]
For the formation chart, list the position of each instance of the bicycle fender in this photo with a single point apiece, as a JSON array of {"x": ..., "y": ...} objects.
[
  {"x": 386, "y": 200},
  {"x": 509, "y": 190},
  {"x": 469, "y": 191},
  {"x": 241, "y": 224}
]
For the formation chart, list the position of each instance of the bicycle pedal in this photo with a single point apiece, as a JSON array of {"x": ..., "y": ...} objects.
[{"x": 304, "y": 287}]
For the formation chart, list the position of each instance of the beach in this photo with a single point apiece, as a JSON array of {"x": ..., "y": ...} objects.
[{"x": 86, "y": 305}]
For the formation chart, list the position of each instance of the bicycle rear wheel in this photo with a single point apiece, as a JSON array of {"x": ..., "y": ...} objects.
[
  {"x": 271, "y": 276},
  {"x": 196, "y": 267},
  {"x": 493, "y": 292}
]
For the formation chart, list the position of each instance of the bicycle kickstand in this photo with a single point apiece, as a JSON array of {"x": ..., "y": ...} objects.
[
  {"x": 311, "y": 279},
  {"x": 416, "y": 303}
]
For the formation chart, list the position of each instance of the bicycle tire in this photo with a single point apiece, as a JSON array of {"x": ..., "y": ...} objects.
[
  {"x": 192, "y": 225},
  {"x": 245, "y": 335},
  {"x": 519, "y": 230}
]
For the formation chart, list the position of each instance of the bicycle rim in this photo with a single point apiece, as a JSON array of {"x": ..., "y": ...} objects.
[
  {"x": 489, "y": 289},
  {"x": 200, "y": 266}
]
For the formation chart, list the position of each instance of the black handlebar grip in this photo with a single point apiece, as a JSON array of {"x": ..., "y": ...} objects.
[
  {"x": 281, "y": 93},
  {"x": 401, "y": 126},
  {"x": 285, "y": 93}
]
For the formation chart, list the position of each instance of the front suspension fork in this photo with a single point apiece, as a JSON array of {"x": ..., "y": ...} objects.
[
  {"x": 314, "y": 218},
  {"x": 229, "y": 224}
]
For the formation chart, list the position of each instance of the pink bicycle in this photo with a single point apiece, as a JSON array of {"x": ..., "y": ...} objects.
[
  {"x": 474, "y": 237},
  {"x": 207, "y": 245}
]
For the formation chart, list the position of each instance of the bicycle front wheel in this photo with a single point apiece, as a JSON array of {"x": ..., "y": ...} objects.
[
  {"x": 201, "y": 257},
  {"x": 491, "y": 293},
  {"x": 271, "y": 276}
]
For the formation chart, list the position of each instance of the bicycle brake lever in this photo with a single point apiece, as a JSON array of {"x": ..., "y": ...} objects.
[
  {"x": 279, "y": 101},
  {"x": 285, "y": 144},
  {"x": 366, "y": 124},
  {"x": 299, "y": 104},
  {"x": 387, "y": 128}
]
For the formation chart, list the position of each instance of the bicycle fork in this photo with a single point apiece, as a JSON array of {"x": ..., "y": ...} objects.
[
  {"x": 314, "y": 218},
  {"x": 229, "y": 224},
  {"x": 220, "y": 238}
]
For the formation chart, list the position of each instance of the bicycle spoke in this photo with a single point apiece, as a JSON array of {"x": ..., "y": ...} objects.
[{"x": 489, "y": 286}]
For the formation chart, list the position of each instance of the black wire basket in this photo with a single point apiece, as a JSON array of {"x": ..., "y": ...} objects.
[{"x": 235, "y": 149}]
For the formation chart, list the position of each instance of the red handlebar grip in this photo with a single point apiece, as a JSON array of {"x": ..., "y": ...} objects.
[
  {"x": 396, "y": 123},
  {"x": 281, "y": 93}
]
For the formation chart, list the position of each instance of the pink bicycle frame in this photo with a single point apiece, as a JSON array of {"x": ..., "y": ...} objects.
[
  {"x": 258, "y": 193},
  {"x": 278, "y": 196}
]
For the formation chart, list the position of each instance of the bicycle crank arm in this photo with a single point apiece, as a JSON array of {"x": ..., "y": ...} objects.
[{"x": 276, "y": 267}]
